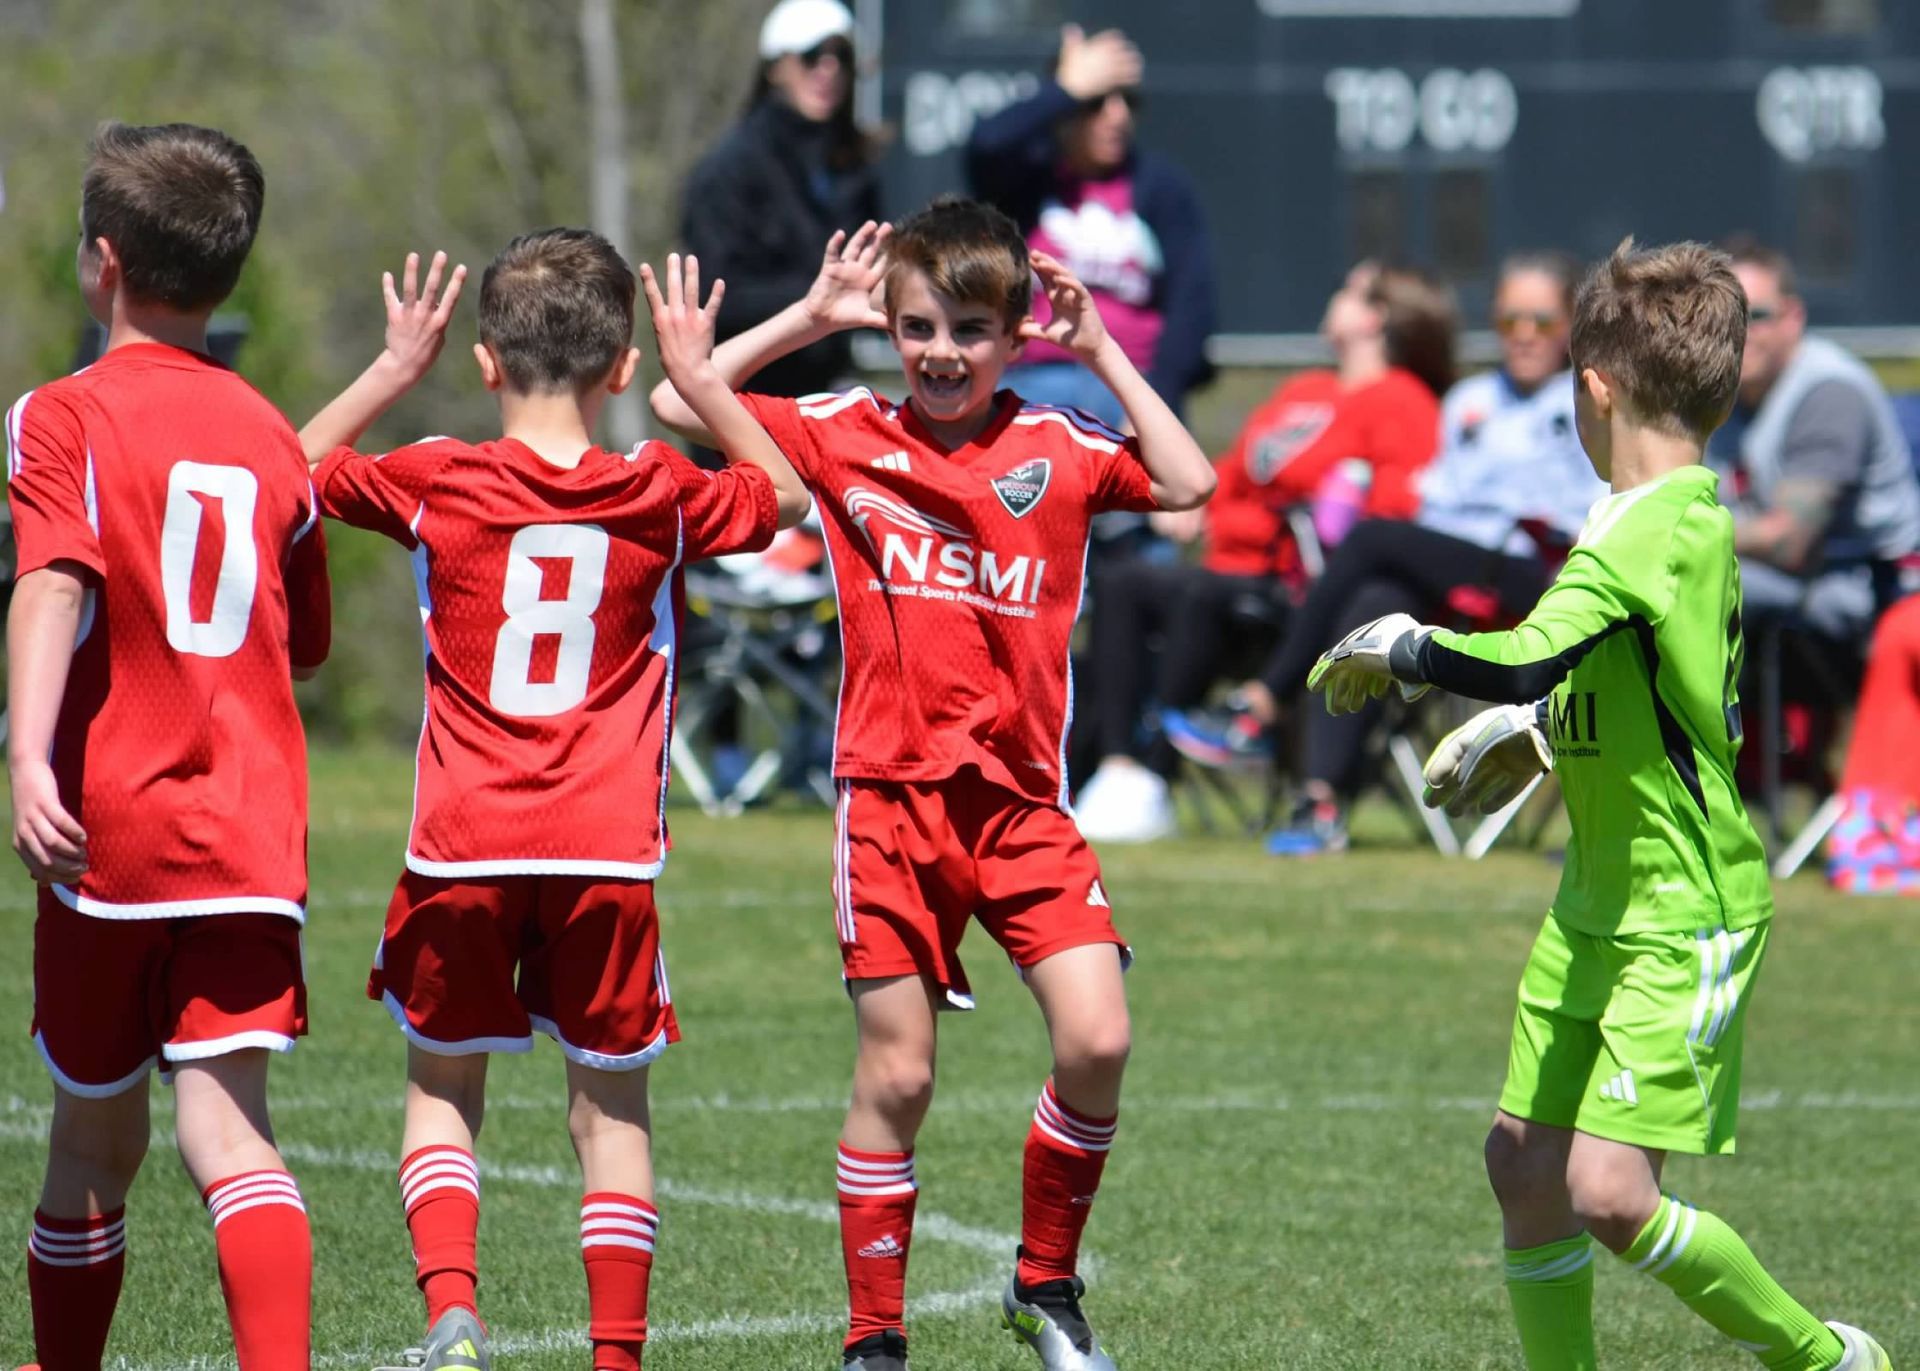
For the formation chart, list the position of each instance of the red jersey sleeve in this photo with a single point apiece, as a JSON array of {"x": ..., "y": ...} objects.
[
  {"x": 383, "y": 494},
  {"x": 49, "y": 485},
  {"x": 781, "y": 418},
  {"x": 1404, "y": 433},
  {"x": 309, "y": 597},
  {"x": 1119, "y": 480},
  {"x": 734, "y": 510}
]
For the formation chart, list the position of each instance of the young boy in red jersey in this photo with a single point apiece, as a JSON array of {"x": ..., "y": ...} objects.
[
  {"x": 173, "y": 581},
  {"x": 958, "y": 527},
  {"x": 548, "y": 573}
]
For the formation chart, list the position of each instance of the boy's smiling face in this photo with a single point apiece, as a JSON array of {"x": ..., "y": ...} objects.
[{"x": 954, "y": 352}]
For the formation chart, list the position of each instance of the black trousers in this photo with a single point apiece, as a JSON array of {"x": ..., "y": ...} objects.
[
  {"x": 1382, "y": 567},
  {"x": 1188, "y": 610}
]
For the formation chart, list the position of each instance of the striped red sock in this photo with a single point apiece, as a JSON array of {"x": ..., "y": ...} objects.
[
  {"x": 266, "y": 1268},
  {"x": 877, "y": 1194},
  {"x": 1066, "y": 1152},
  {"x": 440, "y": 1192},
  {"x": 74, "y": 1268},
  {"x": 616, "y": 1242}
]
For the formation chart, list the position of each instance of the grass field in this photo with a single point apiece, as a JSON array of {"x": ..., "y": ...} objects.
[{"x": 1297, "y": 1182}]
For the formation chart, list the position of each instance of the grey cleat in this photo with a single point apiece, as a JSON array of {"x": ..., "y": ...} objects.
[
  {"x": 1047, "y": 1318},
  {"x": 458, "y": 1342},
  {"x": 885, "y": 1351}
]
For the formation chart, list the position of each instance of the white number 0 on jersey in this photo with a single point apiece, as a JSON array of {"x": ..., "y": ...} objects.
[
  {"x": 529, "y": 616},
  {"x": 191, "y": 486}
]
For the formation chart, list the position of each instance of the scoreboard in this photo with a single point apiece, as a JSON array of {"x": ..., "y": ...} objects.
[{"x": 1448, "y": 132}]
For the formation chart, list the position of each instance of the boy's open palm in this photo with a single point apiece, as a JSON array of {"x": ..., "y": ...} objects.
[
  {"x": 417, "y": 319},
  {"x": 846, "y": 293},
  {"x": 682, "y": 327},
  {"x": 1075, "y": 324}
]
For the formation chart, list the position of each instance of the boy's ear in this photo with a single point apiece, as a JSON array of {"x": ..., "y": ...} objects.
[
  {"x": 622, "y": 374},
  {"x": 492, "y": 375},
  {"x": 1019, "y": 336},
  {"x": 105, "y": 260},
  {"x": 1599, "y": 390}
]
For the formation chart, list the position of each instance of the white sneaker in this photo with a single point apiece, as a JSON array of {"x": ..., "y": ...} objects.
[
  {"x": 1124, "y": 802},
  {"x": 1863, "y": 1353}
]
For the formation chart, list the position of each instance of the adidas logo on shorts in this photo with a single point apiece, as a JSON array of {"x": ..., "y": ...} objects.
[
  {"x": 884, "y": 1246},
  {"x": 1621, "y": 1088},
  {"x": 1098, "y": 897}
]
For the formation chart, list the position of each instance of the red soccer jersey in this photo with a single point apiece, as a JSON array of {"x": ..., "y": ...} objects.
[
  {"x": 548, "y": 600},
  {"x": 958, "y": 575},
  {"x": 185, "y": 496}
]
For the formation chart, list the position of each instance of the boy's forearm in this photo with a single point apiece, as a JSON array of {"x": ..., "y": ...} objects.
[
  {"x": 42, "y": 622},
  {"x": 353, "y": 411},
  {"x": 1183, "y": 478},
  {"x": 741, "y": 439},
  {"x": 737, "y": 359}
]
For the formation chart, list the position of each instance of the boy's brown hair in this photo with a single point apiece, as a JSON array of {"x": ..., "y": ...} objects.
[
  {"x": 969, "y": 251},
  {"x": 556, "y": 308},
  {"x": 179, "y": 203},
  {"x": 1667, "y": 325}
]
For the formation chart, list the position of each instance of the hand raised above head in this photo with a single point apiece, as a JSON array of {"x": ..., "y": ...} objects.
[
  {"x": 416, "y": 320},
  {"x": 846, "y": 293},
  {"x": 1093, "y": 65},
  {"x": 683, "y": 328}
]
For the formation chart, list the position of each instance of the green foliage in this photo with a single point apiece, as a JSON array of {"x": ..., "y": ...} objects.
[
  {"x": 449, "y": 124},
  {"x": 1297, "y": 1181}
]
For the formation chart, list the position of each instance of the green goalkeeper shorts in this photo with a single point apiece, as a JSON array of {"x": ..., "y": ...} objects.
[{"x": 1634, "y": 1038}]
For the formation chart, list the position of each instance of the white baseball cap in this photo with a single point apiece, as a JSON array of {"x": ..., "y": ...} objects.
[{"x": 802, "y": 25}]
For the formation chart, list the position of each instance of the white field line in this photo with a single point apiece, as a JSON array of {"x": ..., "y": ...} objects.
[{"x": 1250, "y": 1102}]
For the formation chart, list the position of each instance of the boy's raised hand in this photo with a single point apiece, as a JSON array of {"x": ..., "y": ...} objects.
[
  {"x": 416, "y": 321},
  {"x": 682, "y": 327},
  {"x": 1075, "y": 324},
  {"x": 846, "y": 293}
]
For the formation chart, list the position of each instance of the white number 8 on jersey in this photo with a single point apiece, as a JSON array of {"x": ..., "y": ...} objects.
[{"x": 529, "y": 617}]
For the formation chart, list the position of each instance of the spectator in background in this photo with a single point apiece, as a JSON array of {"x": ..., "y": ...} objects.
[
  {"x": 1064, "y": 165},
  {"x": 1509, "y": 456},
  {"x": 760, "y": 206},
  {"x": 1875, "y": 848},
  {"x": 1347, "y": 442},
  {"x": 1813, "y": 465}
]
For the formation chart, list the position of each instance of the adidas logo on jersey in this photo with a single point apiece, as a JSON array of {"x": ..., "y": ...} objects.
[
  {"x": 1098, "y": 897},
  {"x": 1621, "y": 1088},
  {"x": 892, "y": 461},
  {"x": 883, "y": 1246}
]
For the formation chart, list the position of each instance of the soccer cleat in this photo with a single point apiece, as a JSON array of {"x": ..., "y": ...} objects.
[
  {"x": 1317, "y": 827},
  {"x": 1862, "y": 1352},
  {"x": 458, "y": 1342},
  {"x": 1047, "y": 1318},
  {"x": 885, "y": 1351}
]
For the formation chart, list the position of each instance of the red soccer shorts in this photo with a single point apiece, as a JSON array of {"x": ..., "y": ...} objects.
[
  {"x": 113, "y": 996},
  {"x": 913, "y": 861},
  {"x": 586, "y": 950}
]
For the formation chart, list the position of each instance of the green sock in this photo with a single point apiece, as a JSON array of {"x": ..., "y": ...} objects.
[
  {"x": 1552, "y": 1292},
  {"x": 1716, "y": 1275}
]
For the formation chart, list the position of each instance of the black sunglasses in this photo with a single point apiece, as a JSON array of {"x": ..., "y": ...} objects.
[
  {"x": 1093, "y": 103},
  {"x": 837, "y": 48}
]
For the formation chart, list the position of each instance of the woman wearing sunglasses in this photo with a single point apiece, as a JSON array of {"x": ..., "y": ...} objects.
[
  {"x": 1064, "y": 165},
  {"x": 1509, "y": 461},
  {"x": 795, "y": 168}
]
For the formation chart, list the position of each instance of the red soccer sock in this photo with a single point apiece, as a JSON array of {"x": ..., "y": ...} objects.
[
  {"x": 266, "y": 1268},
  {"x": 440, "y": 1191},
  {"x": 877, "y": 1194},
  {"x": 616, "y": 1243},
  {"x": 73, "y": 1282},
  {"x": 1066, "y": 1152}
]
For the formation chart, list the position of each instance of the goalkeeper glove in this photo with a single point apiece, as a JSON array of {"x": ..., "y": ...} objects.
[
  {"x": 1356, "y": 669},
  {"x": 1485, "y": 763}
]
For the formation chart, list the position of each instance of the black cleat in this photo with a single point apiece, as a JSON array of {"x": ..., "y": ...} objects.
[{"x": 886, "y": 1351}]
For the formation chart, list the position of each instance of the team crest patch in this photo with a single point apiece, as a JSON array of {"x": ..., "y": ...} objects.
[{"x": 1020, "y": 489}]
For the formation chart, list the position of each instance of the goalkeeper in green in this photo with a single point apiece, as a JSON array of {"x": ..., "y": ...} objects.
[{"x": 1626, "y": 1045}]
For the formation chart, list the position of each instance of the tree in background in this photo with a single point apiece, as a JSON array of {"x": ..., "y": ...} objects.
[{"x": 435, "y": 123}]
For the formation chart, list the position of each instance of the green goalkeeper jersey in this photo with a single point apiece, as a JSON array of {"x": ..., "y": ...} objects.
[{"x": 1636, "y": 649}]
